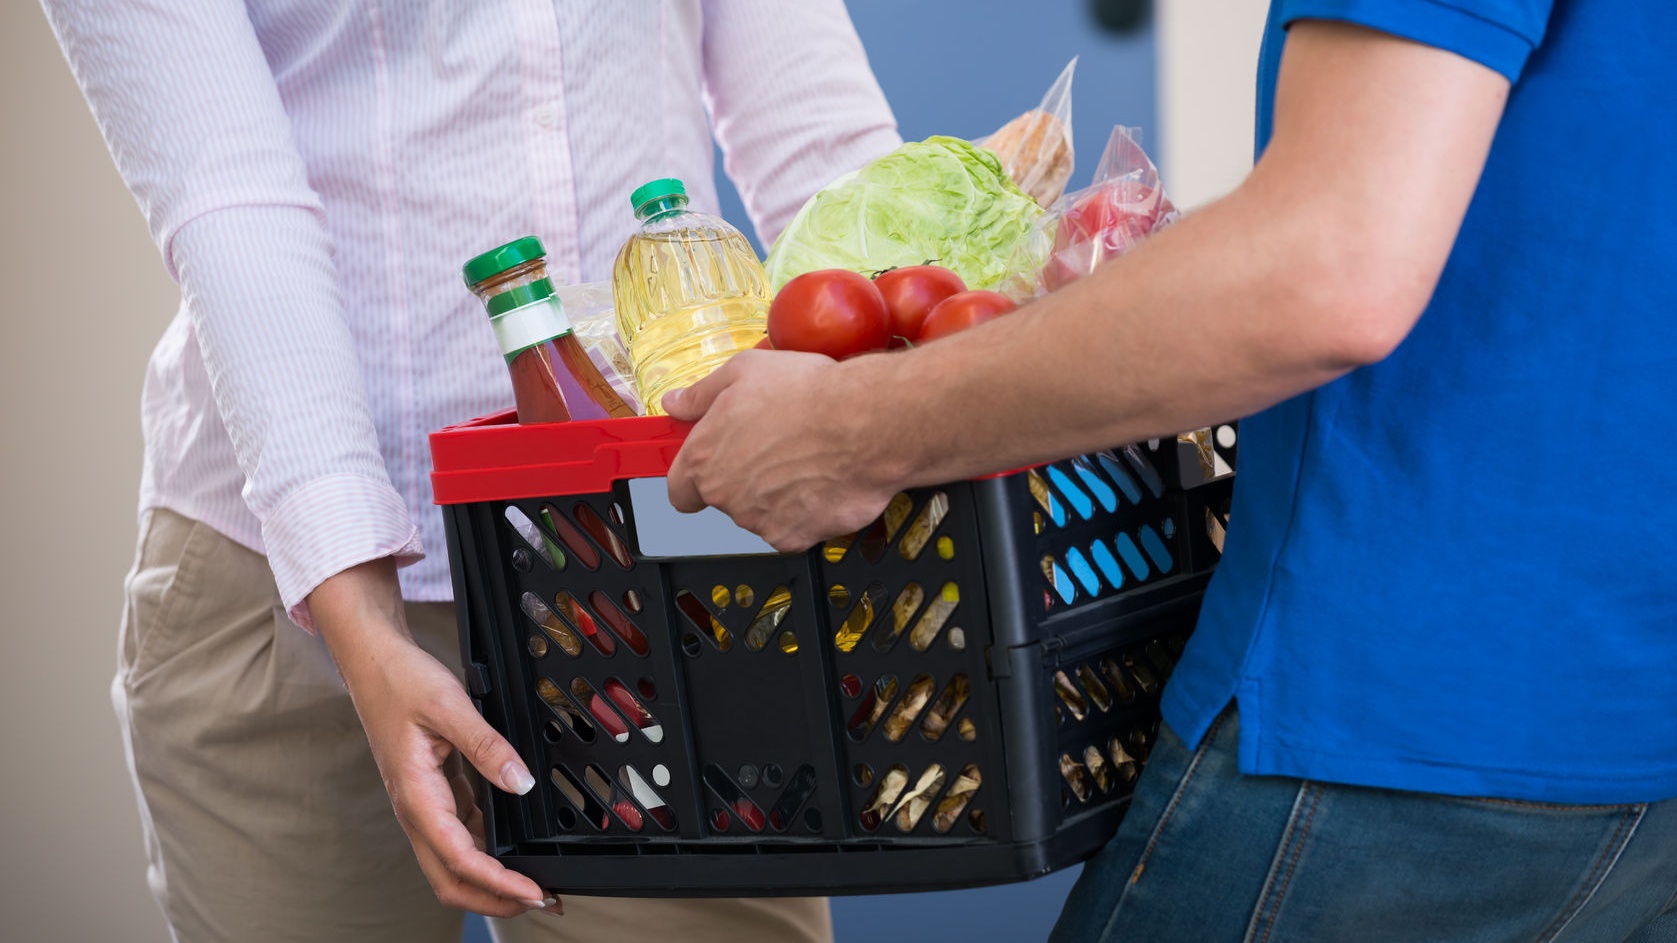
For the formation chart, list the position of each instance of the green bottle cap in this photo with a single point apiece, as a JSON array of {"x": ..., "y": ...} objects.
[
  {"x": 646, "y": 197},
  {"x": 519, "y": 297},
  {"x": 501, "y": 258}
]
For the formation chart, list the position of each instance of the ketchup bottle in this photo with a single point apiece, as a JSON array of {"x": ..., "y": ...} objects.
[{"x": 553, "y": 379}]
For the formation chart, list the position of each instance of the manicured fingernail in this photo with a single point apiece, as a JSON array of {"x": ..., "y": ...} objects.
[
  {"x": 671, "y": 398},
  {"x": 549, "y": 902},
  {"x": 533, "y": 904},
  {"x": 517, "y": 778}
]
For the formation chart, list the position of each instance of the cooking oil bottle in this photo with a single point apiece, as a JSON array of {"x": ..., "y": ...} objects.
[{"x": 689, "y": 291}]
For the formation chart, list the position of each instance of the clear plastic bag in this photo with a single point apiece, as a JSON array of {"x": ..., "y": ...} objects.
[
  {"x": 1036, "y": 147},
  {"x": 1124, "y": 205},
  {"x": 594, "y": 321}
]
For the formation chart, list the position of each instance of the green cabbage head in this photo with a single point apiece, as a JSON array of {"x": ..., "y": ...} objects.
[{"x": 942, "y": 200}]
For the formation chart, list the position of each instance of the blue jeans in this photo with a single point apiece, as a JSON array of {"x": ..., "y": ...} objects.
[{"x": 1207, "y": 855}]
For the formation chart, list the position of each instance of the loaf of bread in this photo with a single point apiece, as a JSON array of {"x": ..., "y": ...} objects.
[{"x": 1035, "y": 150}]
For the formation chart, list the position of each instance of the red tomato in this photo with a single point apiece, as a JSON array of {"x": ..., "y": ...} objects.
[
  {"x": 832, "y": 311},
  {"x": 763, "y": 345},
  {"x": 959, "y": 312},
  {"x": 911, "y": 292}
]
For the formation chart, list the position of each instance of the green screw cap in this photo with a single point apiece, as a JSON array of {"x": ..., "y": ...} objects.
[
  {"x": 520, "y": 296},
  {"x": 501, "y": 258},
  {"x": 664, "y": 189}
]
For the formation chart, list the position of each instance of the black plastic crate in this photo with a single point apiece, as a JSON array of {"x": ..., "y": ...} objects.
[{"x": 960, "y": 694}]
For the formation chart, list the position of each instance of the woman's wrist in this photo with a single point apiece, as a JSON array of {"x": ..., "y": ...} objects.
[{"x": 359, "y": 614}]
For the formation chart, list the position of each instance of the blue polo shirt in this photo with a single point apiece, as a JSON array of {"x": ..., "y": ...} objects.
[{"x": 1455, "y": 571}]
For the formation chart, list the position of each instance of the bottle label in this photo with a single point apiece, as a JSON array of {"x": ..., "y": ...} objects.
[{"x": 528, "y": 325}]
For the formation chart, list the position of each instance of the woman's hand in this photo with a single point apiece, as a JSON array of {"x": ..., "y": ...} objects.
[{"x": 417, "y": 715}]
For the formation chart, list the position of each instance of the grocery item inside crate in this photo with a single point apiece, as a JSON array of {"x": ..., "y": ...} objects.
[{"x": 961, "y": 693}]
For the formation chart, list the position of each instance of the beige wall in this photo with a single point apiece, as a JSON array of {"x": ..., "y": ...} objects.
[
  {"x": 85, "y": 297},
  {"x": 1208, "y": 60}
]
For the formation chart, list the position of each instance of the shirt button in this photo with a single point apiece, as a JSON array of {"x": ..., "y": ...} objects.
[{"x": 547, "y": 116}]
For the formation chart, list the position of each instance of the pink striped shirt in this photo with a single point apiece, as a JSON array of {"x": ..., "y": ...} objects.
[{"x": 316, "y": 173}]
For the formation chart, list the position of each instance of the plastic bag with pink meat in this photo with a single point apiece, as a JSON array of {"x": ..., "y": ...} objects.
[{"x": 1124, "y": 205}]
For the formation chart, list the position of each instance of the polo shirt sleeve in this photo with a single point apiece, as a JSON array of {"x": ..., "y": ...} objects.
[{"x": 1498, "y": 34}]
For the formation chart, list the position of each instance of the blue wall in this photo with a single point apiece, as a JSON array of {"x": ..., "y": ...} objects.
[{"x": 963, "y": 67}]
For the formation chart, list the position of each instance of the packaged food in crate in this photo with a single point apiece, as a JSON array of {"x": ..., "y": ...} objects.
[{"x": 962, "y": 693}]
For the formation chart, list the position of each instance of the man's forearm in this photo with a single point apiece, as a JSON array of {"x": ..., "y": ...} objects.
[
  {"x": 1205, "y": 323},
  {"x": 1321, "y": 262}
]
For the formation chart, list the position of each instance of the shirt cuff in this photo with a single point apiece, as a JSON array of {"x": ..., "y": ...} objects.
[
  {"x": 1497, "y": 46},
  {"x": 330, "y": 525}
]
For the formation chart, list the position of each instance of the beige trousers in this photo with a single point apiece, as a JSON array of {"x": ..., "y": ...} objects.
[{"x": 264, "y": 815}]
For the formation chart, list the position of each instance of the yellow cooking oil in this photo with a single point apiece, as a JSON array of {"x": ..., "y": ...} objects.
[{"x": 689, "y": 291}]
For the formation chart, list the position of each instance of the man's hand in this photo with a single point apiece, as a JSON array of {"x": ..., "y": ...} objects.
[
  {"x": 417, "y": 714},
  {"x": 774, "y": 454}
]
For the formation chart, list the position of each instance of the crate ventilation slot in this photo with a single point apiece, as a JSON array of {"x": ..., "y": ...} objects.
[
  {"x": 572, "y": 613},
  {"x": 944, "y": 709},
  {"x": 737, "y": 811},
  {"x": 604, "y": 535},
  {"x": 709, "y": 627},
  {"x": 861, "y": 616},
  {"x": 1116, "y": 680},
  {"x": 873, "y": 541},
  {"x": 557, "y": 523},
  {"x": 562, "y": 635},
  {"x": 768, "y": 619},
  {"x": 536, "y": 544},
  {"x": 873, "y": 707},
  {"x": 1108, "y": 566},
  {"x": 570, "y": 715},
  {"x": 1099, "y": 771},
  {"x": 903, "y": 801},
  {"x": 907, "y": 603},
  {"x": 624, "y": 627},
  {"x": 919, "y": 693},
  {"x": 632, "y": 709},
  {"x": 925, "y": 524},
  {"x": 605, "y": 803}
]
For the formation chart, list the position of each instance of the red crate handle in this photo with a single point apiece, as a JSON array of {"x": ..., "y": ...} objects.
[
  {"x": 493, "y": 458},
  {"x": 496, "y": 459}
]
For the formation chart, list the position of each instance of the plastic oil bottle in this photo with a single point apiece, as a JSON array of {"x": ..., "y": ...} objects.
[{"x": 689, "y": 291}]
